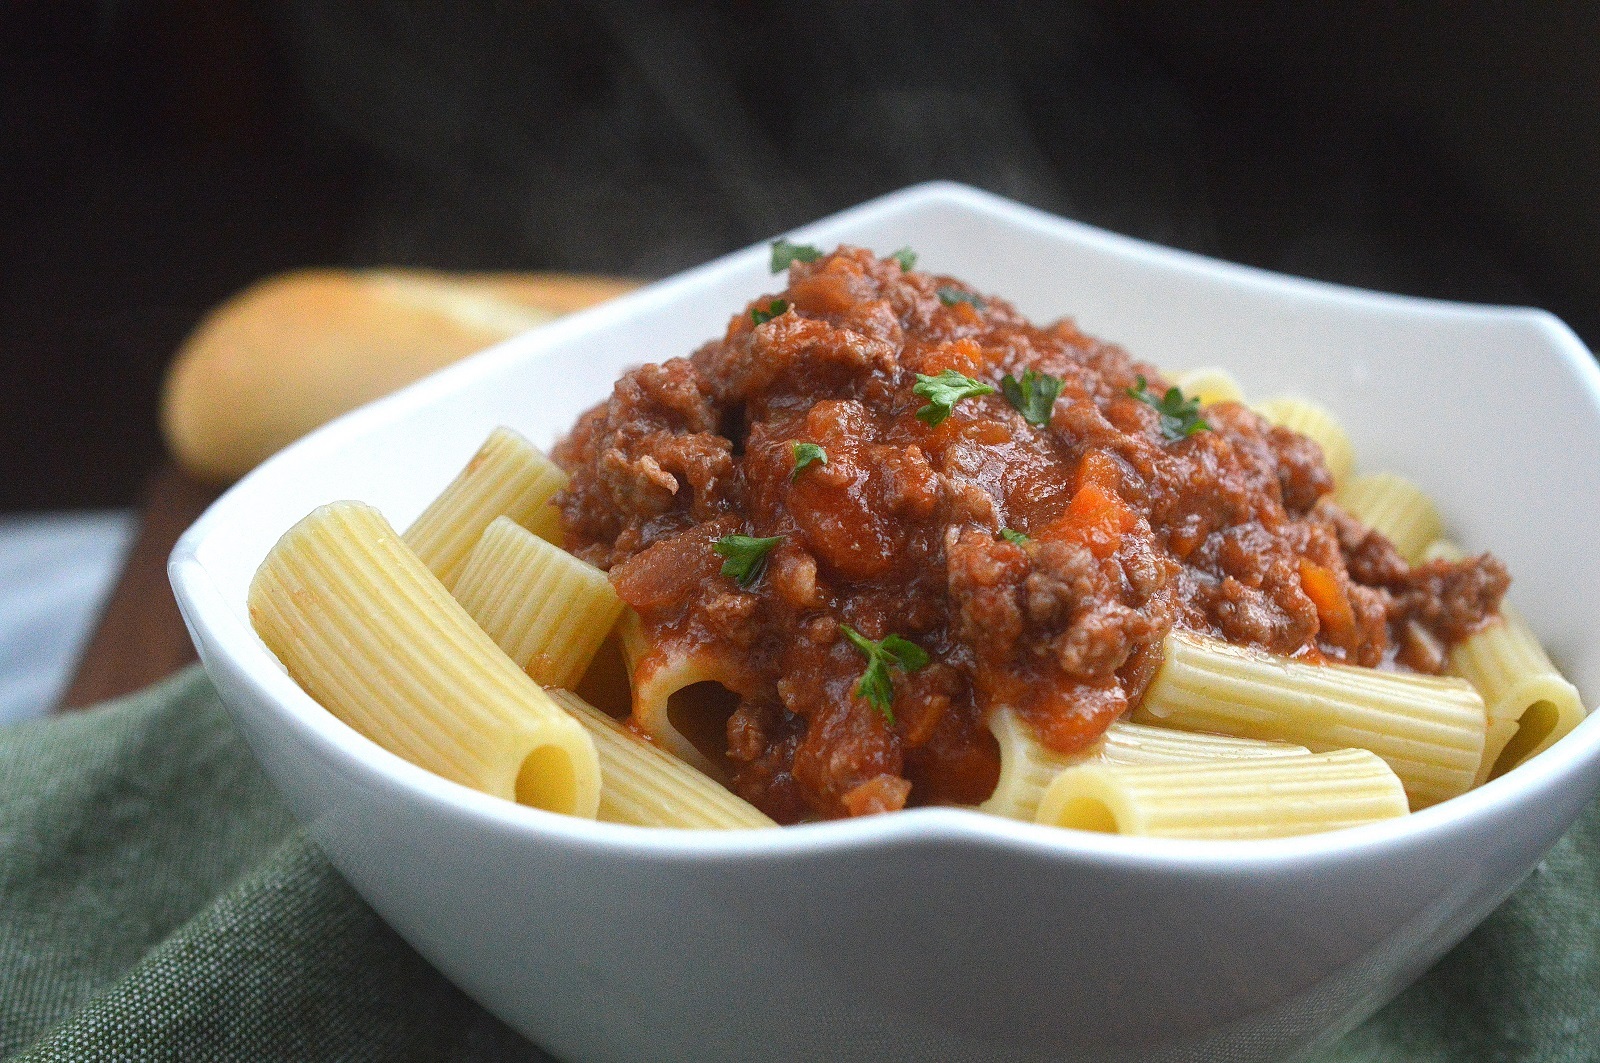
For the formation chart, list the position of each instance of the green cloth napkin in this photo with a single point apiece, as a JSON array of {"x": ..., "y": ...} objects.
[{"x": 157, "y": 902}]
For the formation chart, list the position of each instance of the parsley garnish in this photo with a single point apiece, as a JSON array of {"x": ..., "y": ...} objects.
[
  {"x": 950, "y": 296},
  {"x": 1013, "y": 536},
  {"x": 944, "y": 391},
  {"x": 746, "y": 556},
  {"x": 784, "y": 253},
  {"x": 892, "y": 652},
  {"x": 1034, "y": 395},
  {"x": 906, "y": 257},
  {"x": 1180, "y": 417},
  {"x": 805, "y": 454},
  {"x": 774, "y": 308}
]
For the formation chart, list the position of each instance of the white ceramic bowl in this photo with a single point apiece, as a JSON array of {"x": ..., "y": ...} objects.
[{"x": 940, "y": 934}]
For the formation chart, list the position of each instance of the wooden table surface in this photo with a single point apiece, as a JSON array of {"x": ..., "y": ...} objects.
[{"x": 140, "y": 637}]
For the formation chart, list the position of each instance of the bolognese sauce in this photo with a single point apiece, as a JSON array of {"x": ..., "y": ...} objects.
[{"x": 895, "y": 506}]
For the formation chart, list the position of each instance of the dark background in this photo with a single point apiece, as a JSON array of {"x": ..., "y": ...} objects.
[{"x": 156, "y": 156}]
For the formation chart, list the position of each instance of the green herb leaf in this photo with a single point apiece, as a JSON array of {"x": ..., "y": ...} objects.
[
  {"x": 944, "y": 391},
  {"x": 1014, "y": 536},
  {"x": 1180, "y": 417},
  {"x": 905, "y": 653},
  {"x": 950, "y": 296},
  {"x": 893, "y": 652},
  {"x": 907, "y": 259},
  {"x": 774, "y": 308},
  {"x": 1034, "y": 395},
  {"x": 746, "y": 556},
  {"x": 805, "y": 454},
  {"x": 784, "y": 253}
]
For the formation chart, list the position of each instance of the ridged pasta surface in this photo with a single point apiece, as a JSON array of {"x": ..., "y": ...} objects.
[
  {"x": 1263, "y": 797},
  {"x": 367, "y": 630},
  {"x": 548, "y": 610},
  {"x": 507, "y": 477}
]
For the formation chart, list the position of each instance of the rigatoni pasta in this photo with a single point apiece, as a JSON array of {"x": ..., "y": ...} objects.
[
  {"x": 1511, "y": 670},
  {"x": 1260, "y": 797},
  {"x": 369, "y": 632},
  {"x": 1316, "y": 423},
  {"x": 649, "y": 787},
  {"x": 507, "y": 477},
  {"x": 1396, "y": 507},
  {"x": 1531, "y": 705},
  {"x": 549, "y": 611},
  {"x": 1028, "y": 766},
  {"x": 676, "y": 696},
  {"x": 1429, "y": 729}
]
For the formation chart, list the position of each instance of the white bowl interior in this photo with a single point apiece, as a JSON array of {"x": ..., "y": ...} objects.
[{"x": 1495, "y": 411}]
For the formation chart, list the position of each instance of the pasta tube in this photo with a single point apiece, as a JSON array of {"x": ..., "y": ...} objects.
[
  {"x": 1027, "y": 765},
  {"x": 507, "y": 477},
  {"x": 605, "y": 685},
  {"x": 682, "y": 700},
  {"x": 642, "y": 784},
  {"x": 1263, "y": 797},
  {"x": 1396, "y": 507},
  {"x": 1209, "y": 384},
  {"x": 1430, "y": 729},
  {"x": 549, "y": 611},
  {"x": 1531, "y": 705},
  {"x": 1315, "y": 422},
  {"x": 1498, "y": 736},
  {"x": 1510, "y": 669},
  {"x": 363, "y": 626}
]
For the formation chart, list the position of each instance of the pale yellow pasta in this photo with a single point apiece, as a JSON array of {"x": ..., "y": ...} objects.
[
  {"x": 549, "y": 611},
  {"x": 1027, "y": 766},
  {"x": 1208, "y": 384},
  {"x": 1531, "y": 705},
  {"x": 1264, "y": 797},
  {"x": 1518, "y": 682},
  {"x": 363, "y": 626},
  {"x": 682, "y": 700},
  {"x": 643, "y": 784},
  {"x": 1430, "y": 729},
  {"x": 507, "y": 477},
  {"x": 1396, "y": 507},
  {"x": 1498, "y": 736},
  {"x": 1315, "y": 422}
]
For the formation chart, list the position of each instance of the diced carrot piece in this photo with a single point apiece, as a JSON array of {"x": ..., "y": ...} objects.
[
  {"x": 1101, "y": 469},
  {"x": 1096, "y": 518},
  {"x": 1333, "y": 607},
  {"x": 964, "y": 356}
]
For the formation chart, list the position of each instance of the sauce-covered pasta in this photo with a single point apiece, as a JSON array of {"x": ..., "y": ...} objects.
[{"x": 883, "y": 508}]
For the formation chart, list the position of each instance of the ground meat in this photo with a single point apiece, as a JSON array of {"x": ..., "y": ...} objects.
[
  {"x": 1450, "y": 600},
  {"x": 985, "y": 574},
  {"x": 1370, "y": 558},
  {"x": 1429, "y": 606},
  {"x": 1038, "y": 566}
]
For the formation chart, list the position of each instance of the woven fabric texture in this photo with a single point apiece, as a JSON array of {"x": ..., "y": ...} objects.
[{"x": 157, "y": 902}]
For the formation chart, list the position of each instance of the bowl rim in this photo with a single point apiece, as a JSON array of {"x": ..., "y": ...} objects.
[{"x": 347, "y": 750}]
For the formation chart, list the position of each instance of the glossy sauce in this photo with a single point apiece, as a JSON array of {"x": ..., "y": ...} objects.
[{"x": 1130, "y": 532}]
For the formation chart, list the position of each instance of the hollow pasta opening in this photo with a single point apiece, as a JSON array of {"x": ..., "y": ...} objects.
[
  {"x": 1533, "y": 728},
  {"x": 606, "y": 685},
  {"x": 548, "y": 780},
  {"x": 700, "y": 713},
  {"x": 1087, "y": 813}
]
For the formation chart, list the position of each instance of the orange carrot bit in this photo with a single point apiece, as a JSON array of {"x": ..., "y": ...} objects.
[
  {"x": 1333, "y": 607},
  {"x": 965, "y": 356},
  {"x": 1096, "y": 518},
  {"x": 1099, "y": 468}
]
